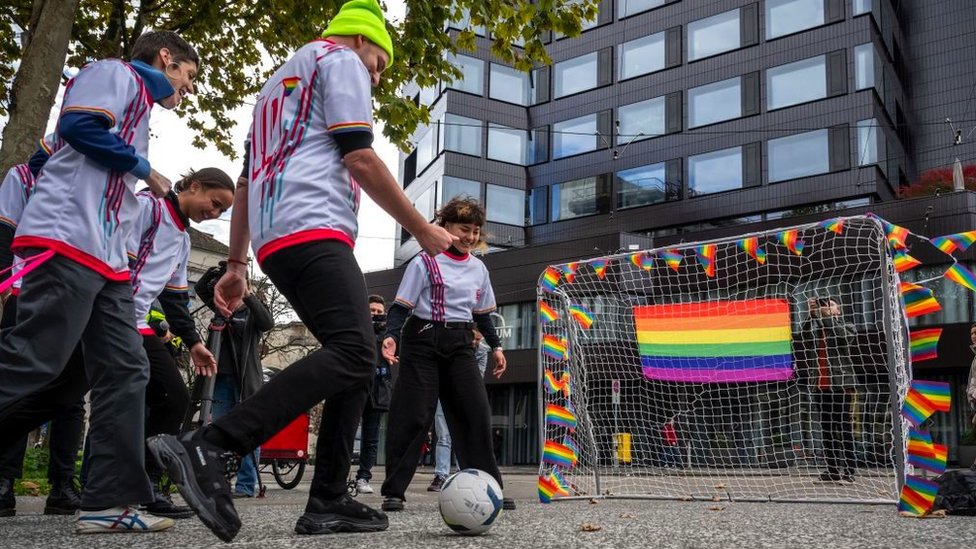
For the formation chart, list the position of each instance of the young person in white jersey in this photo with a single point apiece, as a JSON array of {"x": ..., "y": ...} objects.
[
  {"x": 82, "y": 210},
  {"x": 441, "y": 300},
  {"x": 310, "y": 152}
]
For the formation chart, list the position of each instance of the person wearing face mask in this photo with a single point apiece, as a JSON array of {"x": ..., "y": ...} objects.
[
  {"x": 378, "y": 402},
  {"x": 309, "y": 155},
  {"x": 440, "y": 301},
  {"x": 74, "y": 230}
]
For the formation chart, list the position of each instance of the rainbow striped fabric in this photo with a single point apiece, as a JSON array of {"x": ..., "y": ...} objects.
[
  {"x": 903, "y": 262},
  {"x": 920, "y": 443},
  {"x": 600, "y": 267},
  {"x": 791, "y": 239},
  {"x": 547, "y": 488},
  {"x": 550, "y": 279},
  {"x": 672, "y": 258},
  {"x": 952, "y": 242},
  {"x": 961, "y": 275},
  {"x": 896, "y": 235},
  {"x": 569, "y": 271},
  {"x": 706, "y": 256},
  {"x": 290, "y": 84},
  {"x": 924, "y": 344},
  {"x": 556, "y": 383},
  {"x": 642, "y": 260},
  {"x": 751, "y": 247},
  {"x": 715, "y": 341},
  {"x": 547, "y": 313},
  {"x": 917, "y": 495},
  {"x": 835, "y": 225},
  {"x": 555, "y": 453},
  {"x": 936, "y": 392},
  {"x": 581, "y": 315},
  {"x": 560, "y": 482},
  {"x": 936, "y": 463},
  {"x": 916, "y": 407},
  {"x": 918, "y": 300},
  {"x": 560, "y": 416},
  {"x": 555, "y": 347}
]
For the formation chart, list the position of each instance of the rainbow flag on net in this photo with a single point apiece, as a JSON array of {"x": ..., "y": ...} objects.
[
  {"x": 555, "y": 453},
  {"x": 917, "y": 495},
  {"x": 558, "y": 415},
  {"x": 715, "y": 341},
  {"x": 924, "y": 344},
  {"x": 936, "y": 463},
  {"x": 936, "y": 392}
]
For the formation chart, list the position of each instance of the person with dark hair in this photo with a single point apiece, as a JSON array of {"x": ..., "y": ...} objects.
[
  {"x": 378, "y": 402},
  {"x": 441, "y": 300},
  {"x": 75, "y": 230},
  {"x": 971, "y": 385},
  {"x": 309, "y": 156},
  {"x": 825, "y": 343}
]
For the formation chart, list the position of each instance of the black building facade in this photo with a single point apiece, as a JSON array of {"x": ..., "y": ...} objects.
[{"x": 670, "y": 121}]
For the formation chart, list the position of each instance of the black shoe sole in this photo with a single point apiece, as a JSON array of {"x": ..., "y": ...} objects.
[
  {"x": 7, "y": 512},
  {"x": 508, "y": 505},
  {"x": 331, "y": 523},
  {"x": 59, "y": 510},
  {"x": 391, "y": 507},
  {"x": 178, "y": 515},
  {"x": 172, "y": 456}
]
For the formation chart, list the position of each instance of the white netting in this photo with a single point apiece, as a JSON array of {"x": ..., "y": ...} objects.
[{"x": 722, "y": 386}]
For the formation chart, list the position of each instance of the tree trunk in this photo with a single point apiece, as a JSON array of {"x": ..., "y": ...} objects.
[{"x": 36, "y": 83}]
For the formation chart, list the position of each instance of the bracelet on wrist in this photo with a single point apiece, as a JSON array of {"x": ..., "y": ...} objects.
[{"x": 238, "y": 261}]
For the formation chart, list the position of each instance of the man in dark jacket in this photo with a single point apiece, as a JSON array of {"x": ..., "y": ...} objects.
[
  {"x": 826, "y": 341},
  {"x": 378, "y": 402}
]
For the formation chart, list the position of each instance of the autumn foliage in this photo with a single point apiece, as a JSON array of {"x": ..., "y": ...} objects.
[{"x": 938, "y": 181}]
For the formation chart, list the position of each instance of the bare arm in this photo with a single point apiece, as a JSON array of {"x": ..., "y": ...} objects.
[{"x": 230, "y": 290}]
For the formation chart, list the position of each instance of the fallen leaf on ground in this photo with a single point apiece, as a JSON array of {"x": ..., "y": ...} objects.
[
  {"x": 590, "y": 527},
  {"x": 935, "y": 514},
  {"x": 716, "y": 508},
  {"x": 593, "y": 501},
  {"x": 720, "y": 486},
  {"x": 686, "y": 498},
  {"x": 716, "y": 498},
  {"x": 627, "y": 516}
]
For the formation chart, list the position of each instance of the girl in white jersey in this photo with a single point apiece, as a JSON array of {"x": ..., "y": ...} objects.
[{"x": 441, "y": 299}]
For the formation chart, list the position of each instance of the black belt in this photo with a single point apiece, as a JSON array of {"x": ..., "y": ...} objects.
[{"x": 447, "y": 325}]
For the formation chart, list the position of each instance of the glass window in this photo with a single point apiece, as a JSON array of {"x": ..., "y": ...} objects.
[
  {"x": 788, "y": 16},
  {"x": 630, "y": 7},
  {"x": 509, "y": 84},
  {"x": 862, "y": 6},
  {"x": 574, "y": 136},
  {"x": 641, "y": 120},
  {"x": 429, "y": 94},
  {"x": 796, "y": 83},
  {"x": 867, "y": 142},
  {"x": 473, "y": 71},
  {"x": 715, "y": 102},
  {"x": 640, "y": 186},
  {"x": 713, "y": 35},
  {"x": 799, "y": 155},
  {"x": 464, "y": 23},
  {"x": 864, "y": 66},
  {"x": 507, "y": 144},
  {"x": 578, "y": 198},
  {"x": 641, "y": 56},
  {"x": 516, "y": 325},
  {"x": 505, "y": 205},
  {"x": 455, "y": 186},
  {"x": 426, "y": 151},
  {"x": 574, "y": 75},
  {"x": 461, "y": 134},
  {"x": 425, "y": 203},
  {"x": 715, "y": 172},
  {"x": 538, "y": 206}
]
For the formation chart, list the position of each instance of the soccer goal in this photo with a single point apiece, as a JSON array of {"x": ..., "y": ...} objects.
[{"x": 770, "y": 366}]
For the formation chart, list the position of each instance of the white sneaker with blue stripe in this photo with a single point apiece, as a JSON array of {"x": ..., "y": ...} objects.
[{"x": 119, "y": 519}]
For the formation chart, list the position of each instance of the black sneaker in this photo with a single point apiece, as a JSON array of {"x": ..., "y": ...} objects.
[
  {"x": 508, "y": 504},
  {"x": 64, "y": 499},
  {"x": 342, "y": 514},
  {"x": 436, "y": 484},
  {"x": 8, "y": 503},
  {"x": 392, "y": 504},
  {"x": 163, "y": 506},
  {"x": 196, "y": 467}
]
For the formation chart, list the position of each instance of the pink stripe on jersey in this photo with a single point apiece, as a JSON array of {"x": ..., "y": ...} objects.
[{"x": 436, "y": 287}]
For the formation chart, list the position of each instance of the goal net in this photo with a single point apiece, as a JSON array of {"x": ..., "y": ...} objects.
[{"x": 770, "y": 366}]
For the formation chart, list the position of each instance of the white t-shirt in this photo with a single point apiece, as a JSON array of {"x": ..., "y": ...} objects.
[
  {"x": 446, "y": 288},
  {"x": 15, "y": 191},
  {"x": 300, "y": 191}
]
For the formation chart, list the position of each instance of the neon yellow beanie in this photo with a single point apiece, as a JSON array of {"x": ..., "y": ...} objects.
[{"x": 362, "y": 17}]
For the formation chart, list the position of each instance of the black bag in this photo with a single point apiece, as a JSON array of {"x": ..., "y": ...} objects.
[{"x": 957, "y": 493}]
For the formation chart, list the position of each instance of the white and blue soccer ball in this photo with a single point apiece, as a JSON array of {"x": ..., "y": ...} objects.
[{"x": 470, "y": 501}]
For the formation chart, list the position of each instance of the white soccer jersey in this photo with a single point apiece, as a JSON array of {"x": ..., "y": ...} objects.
[
  {"x": 80, "y": 209},
  {"x": 300, "y": 191},
  {"x": 158, "y": 250},
  {"x": 446, "y": 288},
  {"x": 15, "y": 191}
]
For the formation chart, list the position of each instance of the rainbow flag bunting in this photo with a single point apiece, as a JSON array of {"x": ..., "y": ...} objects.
[
  {"x": 791, "y": 239},
  {"x": 547, "y": 488},
  {"x": 672, "y": 258},
  {"x": 751, "y": 246},
  {"x": 571, "y": 444},
  {"x": 924, "y": 344},
  {"x": 555, "y": 453},
  {"x": 642, "y": 260},
  {"x": 569, "y": 271},
  {"x": 835, "y": 225},
  {"x": 952, "y": 242},
  {"x": 555, "y": 384},
  {"x": 550, "y": 279},
  {"x": 555, "y": 347},
  {"x": 918, "y": 300},
  {"x": 920, "y": 443},
  {"x": 706, "y": 256},
  {"x": 560, "y": 481},
  {"x": 715, "y": 341},
  {"x": 935, "y": 464},
  {"x": 917, "y": 495},
  {"x": 903, "y": 261},
  {"x": 600, "y": 267},
  {"x": 936, "y": 392},
  {"x": 961, "y": 275},
  {"x": 916, "y": 408},
  {"x": 581, "y": 315},
  {"x": 558, "y": 415},
  {"x": 896, "y": 235},
  {"x": 547, "y": 313}
]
